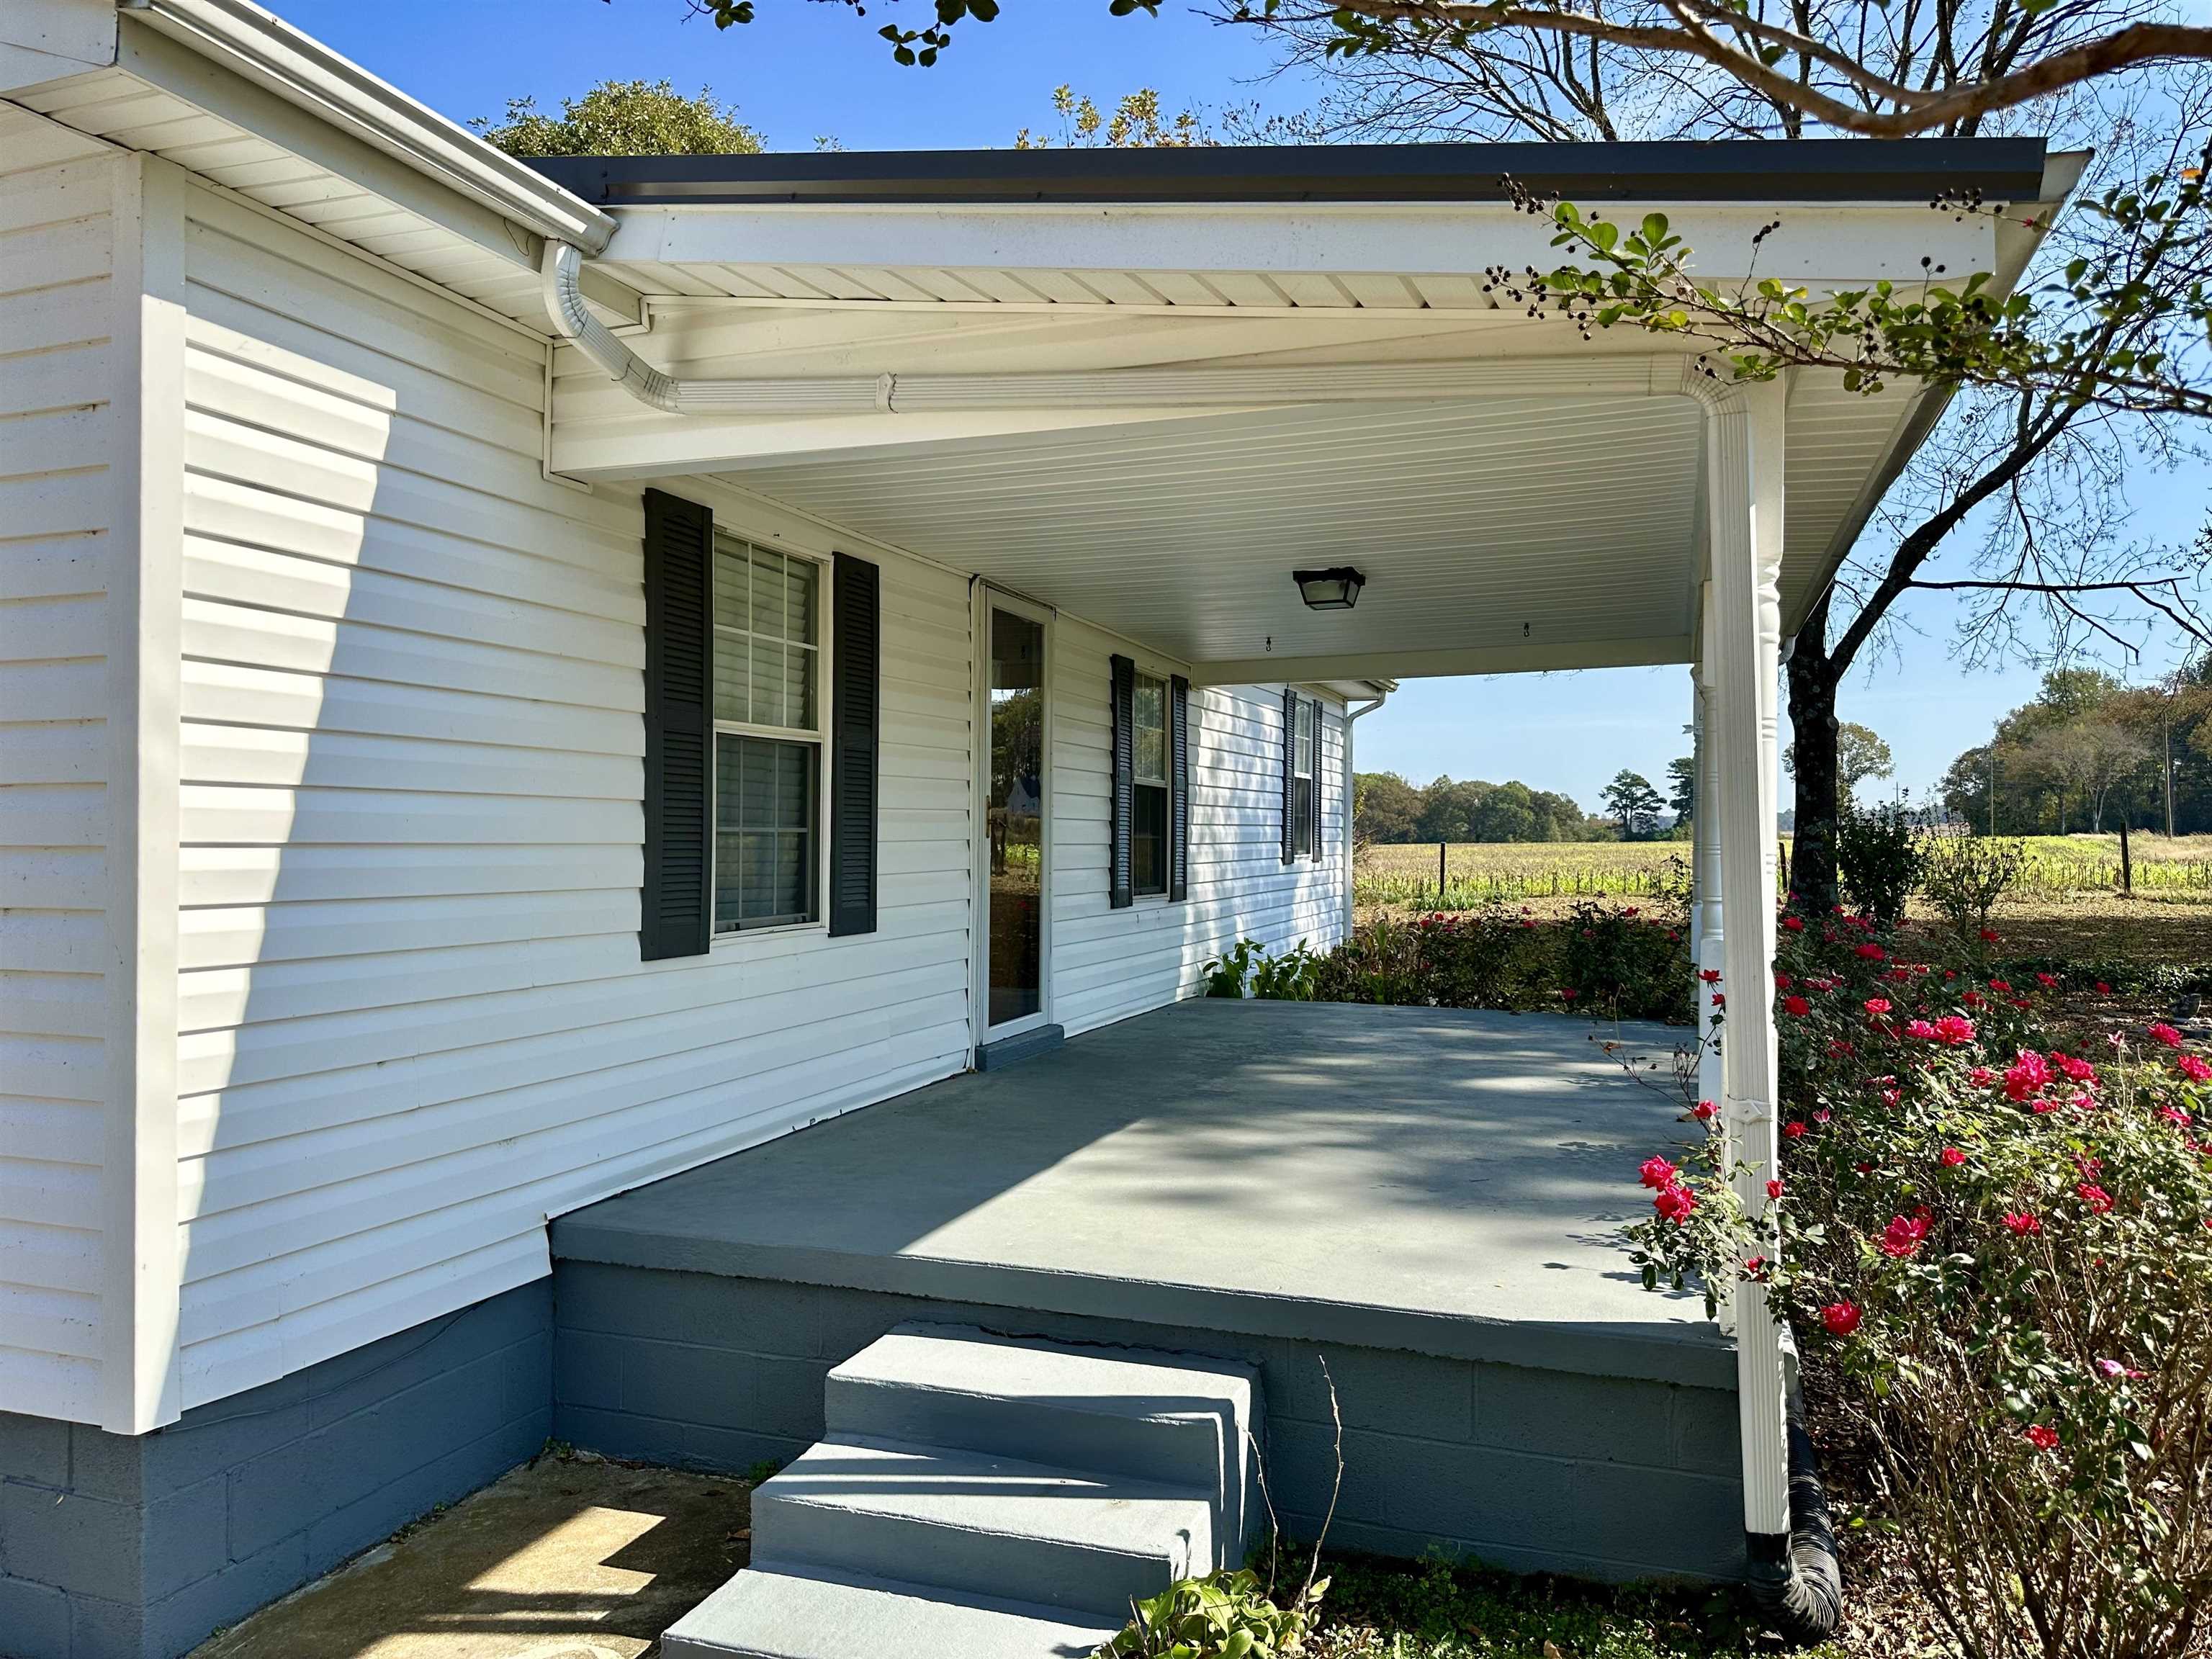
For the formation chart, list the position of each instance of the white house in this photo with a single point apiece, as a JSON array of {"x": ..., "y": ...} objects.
[{"x": 515, "y": 684}]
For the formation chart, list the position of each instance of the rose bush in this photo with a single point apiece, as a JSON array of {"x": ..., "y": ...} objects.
[{"x": 1998, "y": 1229}]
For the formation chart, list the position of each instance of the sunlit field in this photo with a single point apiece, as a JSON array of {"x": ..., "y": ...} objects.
[{"x": 2067, "y": 902}]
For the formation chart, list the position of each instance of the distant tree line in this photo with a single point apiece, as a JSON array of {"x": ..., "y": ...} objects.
[
  {"x": 1386, "y": 809},
  {"x": 2090, "y": 751}
]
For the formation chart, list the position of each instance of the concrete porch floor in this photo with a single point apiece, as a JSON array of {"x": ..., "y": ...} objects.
[{"x": 1446, "y": 1182}]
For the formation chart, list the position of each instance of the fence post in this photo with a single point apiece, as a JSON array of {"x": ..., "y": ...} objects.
[
  {"x": 1440, "y": 873},
  {"x": 2127, "y": 865}
]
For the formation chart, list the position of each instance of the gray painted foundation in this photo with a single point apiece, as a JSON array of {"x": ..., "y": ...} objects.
[
  {"x": 1522, "y": 1468},
  {"x": 116, "y": 1547}
]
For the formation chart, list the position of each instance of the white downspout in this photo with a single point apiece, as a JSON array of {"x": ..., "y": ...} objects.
[{"x": 1350, "y": 715}]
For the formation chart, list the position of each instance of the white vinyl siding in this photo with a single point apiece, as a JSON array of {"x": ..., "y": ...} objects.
[
  {"x": 412, "y": 1022},
  {"x": 61, "y": 363},
  {"x": 414, "y": 1019},
  {"x": 1109, "y": 964}
]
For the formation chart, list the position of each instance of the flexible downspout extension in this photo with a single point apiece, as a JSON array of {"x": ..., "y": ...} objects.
[{"x": 1795, "y": 1580}]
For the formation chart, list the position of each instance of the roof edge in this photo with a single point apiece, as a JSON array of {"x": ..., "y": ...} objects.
[
  {"x": 1802, "y": 170},
  {"x": 263, "y": 48}
]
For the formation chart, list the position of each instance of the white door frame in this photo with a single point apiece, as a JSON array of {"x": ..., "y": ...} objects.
[{"x": 987, "y": 599}]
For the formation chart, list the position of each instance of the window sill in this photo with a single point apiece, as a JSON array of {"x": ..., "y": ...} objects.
[{"x": 782, "y": 930}]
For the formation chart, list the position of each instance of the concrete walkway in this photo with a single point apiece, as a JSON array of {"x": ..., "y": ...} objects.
[{"x": 563, "y": 1559}]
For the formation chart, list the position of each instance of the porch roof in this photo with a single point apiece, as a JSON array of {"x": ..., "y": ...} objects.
[{"x": 1439, "y": 1180}]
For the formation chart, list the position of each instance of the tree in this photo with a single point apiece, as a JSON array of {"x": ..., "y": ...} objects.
[
  {"x": 1860, "y": 754},
  {"x": 2088, "y": 756},
  {"x": 1865, "y": 67},
  {"x": 1632, "y": 800},
  {"x": 1387, "y": 808},
  {"x": 1682, "y": 787},
  {"x": 623, "y": 117},
  {"x": 1135, "y": 123}
]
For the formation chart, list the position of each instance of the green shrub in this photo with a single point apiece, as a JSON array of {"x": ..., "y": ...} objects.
[
  {"x": 1228, "y": 974},
  {"x": 1998, "y": 1230},
  {"x": 1963, "y": 876},
  {"x": 1224, "y": 1615},
  {"x": 1878, "y": 854}
]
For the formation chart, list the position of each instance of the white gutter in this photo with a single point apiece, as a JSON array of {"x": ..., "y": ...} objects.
[
  {"x": 264, "y": 49},
  {"x": 1146, "y": 388}
]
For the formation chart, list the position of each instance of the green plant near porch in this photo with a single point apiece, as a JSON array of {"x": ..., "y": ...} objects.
[{"x": 1224, "y": 1615}]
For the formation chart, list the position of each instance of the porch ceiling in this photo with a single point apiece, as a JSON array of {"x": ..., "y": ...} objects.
[{"x": 1526, "y": 532}]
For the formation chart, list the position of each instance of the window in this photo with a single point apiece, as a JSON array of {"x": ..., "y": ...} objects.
[
  {"x": 768, "y": 736},
  {"x": 1306, "y": 755},
  {"x": 1150, "y": 846}
]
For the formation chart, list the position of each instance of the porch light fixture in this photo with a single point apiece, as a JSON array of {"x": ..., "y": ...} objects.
[{"x": 1334, "y": 589}]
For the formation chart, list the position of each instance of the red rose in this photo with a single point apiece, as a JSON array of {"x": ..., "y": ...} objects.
[
  {"x": 1953, "y": 1158},
  {"x": 2099, "y": 1201},
  {"x": 2195, "y": 1067},
  {"x": 2042, "y": 1436},
  {"x": 1955, "y": 1029},
  {"x": 2162, "y": 1032},
  {"x": 1871, "y": 952},
  {"x": 1795, "y": 924},
  {"x": 2021, "y": 1224},
  {"x": 1710, "y": 976},
  {"x": 1657, "y": 1173},
  {"x": 1675, "y": 1204},
  {"x": 1877, "y": 1005},
  {"x": 1774, "y": 1189},
  {"x": 1901, "y": 1238},
  {"x": 1840, "y": 1318},
  {"x": 1797, "y": 1006},
  {"x": 1794, "y": 1130},
  {"x": 1705, "y": 1110}
]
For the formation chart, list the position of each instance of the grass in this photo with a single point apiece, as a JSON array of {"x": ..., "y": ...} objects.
[{"x": 1378, "y": 1609}]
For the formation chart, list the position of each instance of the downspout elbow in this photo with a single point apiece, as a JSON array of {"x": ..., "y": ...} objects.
[
  {"x": 1795, "y": 1579},
  {"x": 562, "y": 278}
]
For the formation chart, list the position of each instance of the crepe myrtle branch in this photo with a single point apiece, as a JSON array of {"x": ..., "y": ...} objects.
[
  {"x": 2162, "y": 594},
  {"x": 2104, "y": 331},
  {"x": 1720, "y": 33}
]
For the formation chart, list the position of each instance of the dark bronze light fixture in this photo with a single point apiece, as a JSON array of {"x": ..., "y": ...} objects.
[{"x": 1335, "y": 589}]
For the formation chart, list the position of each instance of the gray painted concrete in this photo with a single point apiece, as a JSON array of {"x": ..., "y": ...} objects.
[
  {"x": 1444, "y": 1182},
  {"x": 899, "y": 1546},
  {"x": 115, "y": 1547},
  {"x": 810, "y": 1612},
  {"x": 1012, "y": 1051},
  {"x": 1524, "y": 1468}
]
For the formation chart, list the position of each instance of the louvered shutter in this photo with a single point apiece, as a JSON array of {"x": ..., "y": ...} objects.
[
  {"x": 1121, "y": 885},
  {"x": 676, "y": 910},
  {"x": 855, "y": 738},
  {"x": 1179, "y": 803},
  {"x": 1290, "y": 774}
]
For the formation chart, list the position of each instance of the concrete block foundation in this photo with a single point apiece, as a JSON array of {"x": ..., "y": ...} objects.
[
  {"x": 117, "y": 1546},
  {"x": 1523, "y": 1469}
]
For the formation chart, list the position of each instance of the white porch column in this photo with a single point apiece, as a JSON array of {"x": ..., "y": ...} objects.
[
  {"x": 1707, "y": 933},
  {"x": 1743, "y": 495}
]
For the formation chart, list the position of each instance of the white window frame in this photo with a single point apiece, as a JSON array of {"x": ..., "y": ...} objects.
[
  {"x": 1305, "y": 831},
  {"x": 825, "y": 619},
  {"x": 1165, "y": 784}
]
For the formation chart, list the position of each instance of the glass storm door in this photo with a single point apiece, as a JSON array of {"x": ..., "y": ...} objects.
[{"x": 1014, "y": 823}]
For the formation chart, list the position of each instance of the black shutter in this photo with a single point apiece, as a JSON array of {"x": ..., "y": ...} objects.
[
  {"x": 1290, "y": 774},
  {"x": 675, "y": 909},
  {"x": 1179, "y": 806},
  {"x": 855, "y": 736},
  {"x": 1120, "y": 885}
]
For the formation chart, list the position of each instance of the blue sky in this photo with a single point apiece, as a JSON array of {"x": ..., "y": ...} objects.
[{"x": 806, "y": 71}]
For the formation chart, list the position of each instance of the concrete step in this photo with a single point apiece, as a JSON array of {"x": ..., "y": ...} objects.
[
  {"x": 1176, "y": 1419},
  {"x": 792, "y": 1612},
  {"x": 970, "y": 1522}
]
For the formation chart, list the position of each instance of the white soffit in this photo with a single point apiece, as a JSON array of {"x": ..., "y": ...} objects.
[{"x": 1495, "y": 526}]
